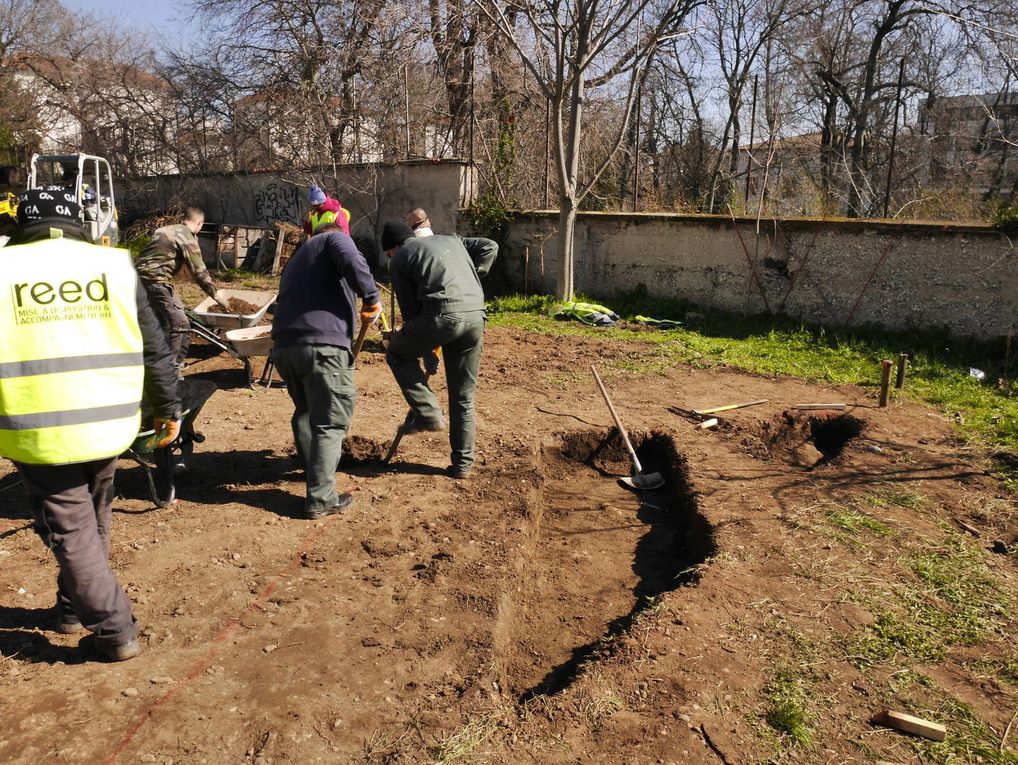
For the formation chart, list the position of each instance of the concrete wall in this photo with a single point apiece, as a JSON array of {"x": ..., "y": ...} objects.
[
  {"x": 897, "y": 276},
  {"x": 372, "y": 193}
]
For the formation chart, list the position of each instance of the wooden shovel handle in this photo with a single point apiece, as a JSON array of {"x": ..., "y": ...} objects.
[
  {"x": 365, "y": 326},
  {"x": 618, "y": 422}
]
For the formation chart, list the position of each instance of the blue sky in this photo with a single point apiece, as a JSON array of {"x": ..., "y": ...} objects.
[{"x": 144, "y": 14}]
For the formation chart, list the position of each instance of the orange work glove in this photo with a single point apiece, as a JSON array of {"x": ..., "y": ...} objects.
[
  {"x": 165, "y": 432},
  {"x": 370, "y": 312},
  {"x": 431, "y": 359}
]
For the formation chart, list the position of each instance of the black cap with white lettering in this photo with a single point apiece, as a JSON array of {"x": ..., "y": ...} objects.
[{"x": 49, "y": 203}]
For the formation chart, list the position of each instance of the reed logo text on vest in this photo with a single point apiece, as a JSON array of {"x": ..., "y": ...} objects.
[{"x": 68, "y": 300}]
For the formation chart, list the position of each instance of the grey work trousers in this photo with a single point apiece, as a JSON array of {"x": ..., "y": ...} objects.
[
  {"x": 461, "y": 337},
  {"x": 319, "y": 379},
  {"x": 72, "y": 507},
  {"x": 170, "y": 311}
]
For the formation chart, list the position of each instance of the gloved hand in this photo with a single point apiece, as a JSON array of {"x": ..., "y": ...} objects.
[
  {"x": 431, "y": 361},
  {"x": 386, "y": 339},
  {"x": 370, "y": 312},
  {"x": 222, "y": 298},
  {"x": 165, "y": 432}
]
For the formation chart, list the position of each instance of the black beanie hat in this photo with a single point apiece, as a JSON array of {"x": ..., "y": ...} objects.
[
  {"x": 394, "y": 233},
  {"x": 49, "y": 203}
]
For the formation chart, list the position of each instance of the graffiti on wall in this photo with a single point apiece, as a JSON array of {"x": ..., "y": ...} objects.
[{"x": 275, "y": 202}]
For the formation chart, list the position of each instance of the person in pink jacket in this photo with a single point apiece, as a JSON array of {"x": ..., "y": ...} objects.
[{"x": 325, "y": 209}]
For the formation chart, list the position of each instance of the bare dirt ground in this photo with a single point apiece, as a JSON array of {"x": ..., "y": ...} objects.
[{"x": 538, "y": 612}]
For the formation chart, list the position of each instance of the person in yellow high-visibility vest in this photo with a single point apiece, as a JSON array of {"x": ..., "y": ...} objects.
[
  {"x": 325, "y": 209},
  {"x": 79, "y": 345}
]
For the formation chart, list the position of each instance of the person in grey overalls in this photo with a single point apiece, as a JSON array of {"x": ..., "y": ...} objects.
[{"x": 437, "y": 282}]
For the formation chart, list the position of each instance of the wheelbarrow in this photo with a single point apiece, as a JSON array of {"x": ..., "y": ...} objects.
[
  {"x": 162, "y": 465},
  {"x": 236, "y": 335}
]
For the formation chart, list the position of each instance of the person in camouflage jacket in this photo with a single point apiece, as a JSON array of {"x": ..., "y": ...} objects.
[{"x": 173, "y": 247}]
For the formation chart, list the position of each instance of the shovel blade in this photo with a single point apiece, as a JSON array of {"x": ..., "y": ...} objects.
[{"x": 644, "y": 481}]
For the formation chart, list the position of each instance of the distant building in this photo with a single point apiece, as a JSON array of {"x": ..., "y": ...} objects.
[
  {"x": 974, "y": 141},
  {"x": 115, "y": 111}
]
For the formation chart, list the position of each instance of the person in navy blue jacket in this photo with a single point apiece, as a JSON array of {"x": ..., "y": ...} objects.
[{"x": 312, "y": 338}]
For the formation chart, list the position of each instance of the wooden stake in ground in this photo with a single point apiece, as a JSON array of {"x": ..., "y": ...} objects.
[
  {"x": 899, "y": 380},
  {"x": 885, "y": 382}
]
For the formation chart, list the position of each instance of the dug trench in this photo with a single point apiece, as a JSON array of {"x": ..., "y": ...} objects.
[
  {"x": 598, "y": 554},
  {"x": 803, "y": 441}
]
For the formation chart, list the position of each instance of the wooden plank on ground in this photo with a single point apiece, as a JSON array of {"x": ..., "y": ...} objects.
[{"x": 917, "y": 726}]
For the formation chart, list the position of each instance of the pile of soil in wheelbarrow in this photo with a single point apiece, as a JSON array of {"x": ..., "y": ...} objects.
[{"x": 241, "y": 307}]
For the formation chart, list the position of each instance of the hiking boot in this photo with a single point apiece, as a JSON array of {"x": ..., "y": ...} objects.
[
  {"x": 111, "y": 651},
  {"x": 120, "y": 651},
  {"x": 459, "y": 473},
  {"x": 420, "y": 425},
  {"x": 67, "y": 623},
  {"x": 343, "y": 501}
]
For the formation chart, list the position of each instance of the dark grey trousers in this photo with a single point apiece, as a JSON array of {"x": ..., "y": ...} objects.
[
  {"x": 170, "y": 312},
  {"x": 72, "y": 506},
  {"x": 461, "y": 337},
  {"x": 319, "y": 379}
]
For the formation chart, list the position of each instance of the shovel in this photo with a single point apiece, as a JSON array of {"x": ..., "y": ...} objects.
[
  {"x": 639, "y": 479},
  {"x": 401, "y": 431}
]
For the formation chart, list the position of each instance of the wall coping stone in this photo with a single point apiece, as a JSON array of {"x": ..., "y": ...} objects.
[{"x": 804, "y": 223}]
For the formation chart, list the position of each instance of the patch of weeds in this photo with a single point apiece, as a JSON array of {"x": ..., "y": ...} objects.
[
  {"x": 463, "y": 745},
  {"x": 561, "y": 379},
  {"x": 787, "y": 697},
  {"x": 907, "y": 498},
  {"x": 955, "y": 601},
  {"x": 383, "y": 743},
  {"x": 892, "y": 633},
  {"x": 958, "y": 576},
  {"x": 852, "y": 522},
  {"x": 603, "y": 707},
  {"x": 248, "y": 279},
  {"x": 904, "y": 679},
  {"x": 1003, "y": 669},
  {"x": 968, "y": 739},
  {"x": 543, "y": 304},
  {"x": 641, "y": 365}
]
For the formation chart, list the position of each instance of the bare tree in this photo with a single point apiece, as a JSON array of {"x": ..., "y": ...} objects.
[
  {"x": 26, "y": 28},
  {"x": 738, "y": 31},
  {"x": 573, "y": 48}
]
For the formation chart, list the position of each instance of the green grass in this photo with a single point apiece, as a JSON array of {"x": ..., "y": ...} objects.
[
  {"x": 938, "y": 365},
  {"x": 952, "y": 600},
  {"x": 852, "y": 522},
  {"x": 907, "y": 498},
  {"x": 1004, "y": 670},
  {"x": 786, "y": 711},
  {"x": 969, "y": 739}
]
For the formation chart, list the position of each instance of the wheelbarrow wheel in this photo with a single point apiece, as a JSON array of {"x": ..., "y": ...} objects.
[{"x": 160, "y": 480}]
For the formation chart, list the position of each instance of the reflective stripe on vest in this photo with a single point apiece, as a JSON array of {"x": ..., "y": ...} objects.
[
  {"x": 342, "y": 219},
  {"x": 71, "y": 365},
  {"x": 320, "y": 219}
]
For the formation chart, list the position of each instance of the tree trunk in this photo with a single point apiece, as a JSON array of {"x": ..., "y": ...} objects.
[
  {"x": 564, "y": 281},
  {"x": 827, "y": 148}
]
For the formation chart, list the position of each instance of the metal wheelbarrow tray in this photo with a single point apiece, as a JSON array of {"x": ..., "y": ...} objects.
[
  {"x": 211, "y": 314},
  {"x": 242, "y": 340}
]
